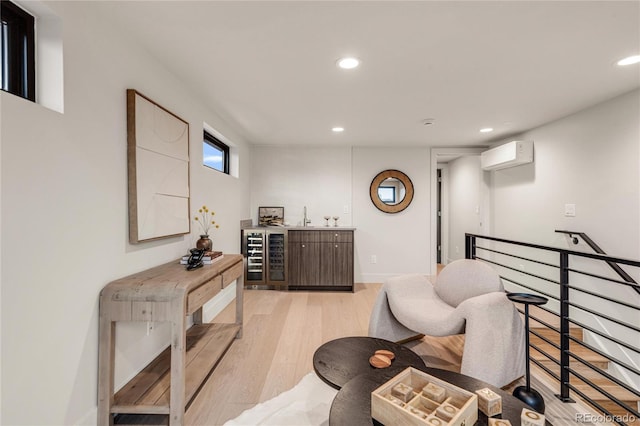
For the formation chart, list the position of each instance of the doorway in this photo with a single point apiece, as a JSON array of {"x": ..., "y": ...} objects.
[
  {"x": 442, "y": 215},
  {"x": 440, "y": 220}
]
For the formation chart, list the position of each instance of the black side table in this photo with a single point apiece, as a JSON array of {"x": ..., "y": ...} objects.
[
  {"x": 340, "y": 360},
  {"x": 525, "y": 393}
]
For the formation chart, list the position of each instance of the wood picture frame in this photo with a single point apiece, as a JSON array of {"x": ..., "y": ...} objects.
[
  {"x": 158, "y": 170},
  {"x": 271, "y": 216}
]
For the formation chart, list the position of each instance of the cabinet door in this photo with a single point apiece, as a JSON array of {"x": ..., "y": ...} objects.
[
  {"x": 335, "y": 236},
  {"x": 304, "y": 263},
  {"x": 304, "y": 236},
  {"x": 343, "y": 264},
  {"x": 295, "y": 262},
  {"x": 327, "y": 263},
  {"x": 336, "y": 264}
]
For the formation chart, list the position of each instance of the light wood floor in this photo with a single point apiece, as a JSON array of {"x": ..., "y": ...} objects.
[{"x": 281, "y": 332}]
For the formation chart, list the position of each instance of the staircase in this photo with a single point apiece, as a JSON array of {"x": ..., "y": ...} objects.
[
  {"x": 599, "y": 300},
  {"x": 593, "y": 376}
]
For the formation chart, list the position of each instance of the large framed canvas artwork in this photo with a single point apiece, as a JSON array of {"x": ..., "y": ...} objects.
[{"x": 158, "y": 168}]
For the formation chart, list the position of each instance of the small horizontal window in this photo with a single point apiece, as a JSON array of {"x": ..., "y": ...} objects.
[
  {"x": 18, "y": 51},
  {"x": 387, "y": 194},
  {"x": 215, "y": 154}
]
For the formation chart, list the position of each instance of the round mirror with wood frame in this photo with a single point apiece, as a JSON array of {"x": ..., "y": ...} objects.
[{"x": 391, "y": 205}]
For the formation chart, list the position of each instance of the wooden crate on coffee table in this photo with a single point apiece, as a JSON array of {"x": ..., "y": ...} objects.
[{"x": 459, "y": 408}]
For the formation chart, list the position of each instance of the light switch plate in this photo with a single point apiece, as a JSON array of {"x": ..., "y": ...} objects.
[{"x": 570, "y": 210}]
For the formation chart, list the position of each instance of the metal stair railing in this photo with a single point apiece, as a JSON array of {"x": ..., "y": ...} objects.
[
  {"x": 553, "y": 279},
  {"x": 621, "y": 272}
]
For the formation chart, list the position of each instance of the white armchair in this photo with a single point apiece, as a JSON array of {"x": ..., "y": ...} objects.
[{"x": 468, "y": 297}]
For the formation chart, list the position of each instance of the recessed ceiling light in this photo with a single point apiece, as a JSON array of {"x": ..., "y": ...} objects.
[
  {"x": 348, "y": 63},
  {"x": 486, "y": 130},
  {"x": 629, "y": 60},
  {"x": 337, "y": 129}
]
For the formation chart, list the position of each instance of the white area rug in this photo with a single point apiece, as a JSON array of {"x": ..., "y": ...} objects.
[{"x": 307, "y": 403}]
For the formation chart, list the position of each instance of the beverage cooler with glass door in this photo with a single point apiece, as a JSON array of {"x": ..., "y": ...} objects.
[{"x": 265, "y": 252}]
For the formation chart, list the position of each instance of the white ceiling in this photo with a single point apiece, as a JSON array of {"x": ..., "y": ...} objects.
[{"x": 268, "y": 68}]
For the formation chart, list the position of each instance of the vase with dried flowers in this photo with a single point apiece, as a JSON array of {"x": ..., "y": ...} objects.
[{"x": 206, "y": 222}]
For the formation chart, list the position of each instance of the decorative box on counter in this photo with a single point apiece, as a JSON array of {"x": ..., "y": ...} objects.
[{"x": 457, "y": 407}]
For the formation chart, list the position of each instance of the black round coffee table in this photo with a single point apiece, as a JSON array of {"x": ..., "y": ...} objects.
[
  {"x": 352, "y": 404},
  {"x": 338, "y": 361}
]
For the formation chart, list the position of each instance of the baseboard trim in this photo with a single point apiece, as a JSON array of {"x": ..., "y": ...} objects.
[{"x": 380, "y": 278}]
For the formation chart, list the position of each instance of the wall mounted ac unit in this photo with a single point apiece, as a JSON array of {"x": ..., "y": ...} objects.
[{"x": 511, "y": 154}]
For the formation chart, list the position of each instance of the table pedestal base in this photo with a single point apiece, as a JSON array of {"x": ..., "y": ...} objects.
[{"x": 530, "y": 397}]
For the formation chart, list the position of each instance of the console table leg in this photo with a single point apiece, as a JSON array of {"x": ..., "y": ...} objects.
[
  {"x": 178, "y": 364},
  {"x": 106, "y": 356},
  {"x": 239, "y": 303}
]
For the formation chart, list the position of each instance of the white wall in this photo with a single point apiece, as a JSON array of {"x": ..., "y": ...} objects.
[
  {"x": 318, "y": 178},
  {"x": 1, "y": 262},
  {"x": 590, "y": 159},
  {"x": 401, "y": 242},
  {"x": 65, "y": 222},
  {"x": 328, "y": 179},
  {"x": 465, "y": 203}
]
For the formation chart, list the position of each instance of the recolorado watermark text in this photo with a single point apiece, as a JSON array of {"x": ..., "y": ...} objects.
[{"x": 601, "y": 418}]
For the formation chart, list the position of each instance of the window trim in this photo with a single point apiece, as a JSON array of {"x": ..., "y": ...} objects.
[
  {"x": 20, "y": 54},
  {"x": 211, "y": 140}
]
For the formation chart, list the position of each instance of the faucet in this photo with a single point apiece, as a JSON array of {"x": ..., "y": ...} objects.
[{"x": 305, "y": 221}]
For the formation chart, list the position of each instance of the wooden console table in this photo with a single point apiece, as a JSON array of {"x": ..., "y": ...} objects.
[{"x": 166, "y": 293}]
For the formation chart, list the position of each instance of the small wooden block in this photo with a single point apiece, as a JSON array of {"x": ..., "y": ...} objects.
[
  {"x": 435, "y": 421},
  {"x": 418, "y": 412},
  {"x": 531, "y": 418},
  {"x": 489, "y": 402},
  {"x": 379, "y": 361},
  {"x": 434, "y": 392},
  {"x": 499, "y": 422},
  {"x": 395, "y": 400},
  {"x": 402, "y": 392},
  {"x": 446, "y": 411},
  {"x": 386, "y": 353}
]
